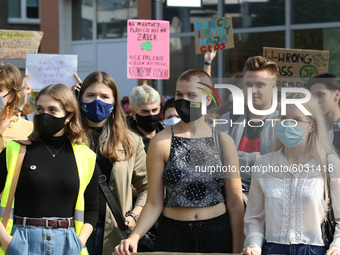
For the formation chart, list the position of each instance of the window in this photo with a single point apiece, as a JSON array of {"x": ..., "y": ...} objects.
[
  {"x": 23, "y": 11},
  {"x": 112, "y": 16},
  {"x": 109, "y": 16},
  {"x": 82, "y": 19}
]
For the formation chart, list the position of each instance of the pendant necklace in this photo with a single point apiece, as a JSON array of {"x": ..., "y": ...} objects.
[{"x": 53, "y": 154}]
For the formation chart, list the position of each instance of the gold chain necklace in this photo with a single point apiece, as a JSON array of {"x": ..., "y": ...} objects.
[{"x": 55, "y": 154}]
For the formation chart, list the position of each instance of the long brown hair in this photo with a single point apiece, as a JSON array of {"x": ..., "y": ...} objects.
[
  {"x": 73, "y": 129},
  {"x": 115, "y": 131}
]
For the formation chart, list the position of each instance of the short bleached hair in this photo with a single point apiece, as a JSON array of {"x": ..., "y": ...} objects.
[{"x": 143, "y": 94}]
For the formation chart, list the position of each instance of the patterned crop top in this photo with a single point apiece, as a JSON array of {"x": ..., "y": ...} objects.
[{"x": 187, "y": 174}]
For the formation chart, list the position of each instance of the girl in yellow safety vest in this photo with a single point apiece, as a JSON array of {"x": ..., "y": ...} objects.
[{"x": 55, "y": 205}]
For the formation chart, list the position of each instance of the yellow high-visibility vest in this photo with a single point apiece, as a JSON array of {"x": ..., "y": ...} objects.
[{"x": 85, "y": 160}]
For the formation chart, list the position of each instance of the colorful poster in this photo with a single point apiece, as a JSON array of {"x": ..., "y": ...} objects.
[
  {"x": 17, "y": 43},
  {"x": 148, "y": 49},
  {"x": 296, "y": 63},
  {"x": 47, "y": 69},
  {"x": 214, "y": 34}
]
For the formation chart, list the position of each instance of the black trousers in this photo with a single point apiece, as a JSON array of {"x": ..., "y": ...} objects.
[{"x": 204, "y": 236}]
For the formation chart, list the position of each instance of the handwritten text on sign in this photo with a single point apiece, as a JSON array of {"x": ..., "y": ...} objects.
[
  {"x": 147, "y": 49},
  {"x": 296, "y": 63},
  {"x": 216, "y": 34},
  {"x": 47, "y": 69},
  {"x": 16, "y": 43}
]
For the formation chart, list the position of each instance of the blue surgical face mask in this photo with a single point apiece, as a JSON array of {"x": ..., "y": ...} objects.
[
  {"x": 170, "y": 122},
  {"x": 97, "y": 110},
  {"x": 290, "y": 135}
]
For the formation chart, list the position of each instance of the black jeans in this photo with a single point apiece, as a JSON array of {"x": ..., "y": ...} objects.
[{"x": 204, "y": 236}]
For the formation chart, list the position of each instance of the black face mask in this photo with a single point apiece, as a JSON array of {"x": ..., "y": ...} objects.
[
  {"x": 188, "y": 111},
  {"x": 148, "y": 123},
  {"x": 48, "y": 125}
]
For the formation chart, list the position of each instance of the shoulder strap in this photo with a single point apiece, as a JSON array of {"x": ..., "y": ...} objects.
[
  {"x": 172, "y": 130},
  {"x": 327, "y": 189},
  {"x": 110, "y": 199},
  {"x": 218, "y": 142},
  {"x": 14, "y": 184},
  {"x": 328, "y": 184}
]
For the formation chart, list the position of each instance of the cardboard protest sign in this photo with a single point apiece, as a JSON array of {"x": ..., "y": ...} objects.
[
  {"x": 47, "y": 69},
  {"x": 147, "y": 49},
  {"x": 17, "y": 43},
  {"x": 296, "y": 63},
  {"x": 214, "y": 34}
]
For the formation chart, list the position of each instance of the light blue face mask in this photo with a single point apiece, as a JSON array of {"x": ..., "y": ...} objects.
[
  {"x": 291, "y": 136},
  {"x": 170, "y": 122},
  {"x": 2, "y": 102}
]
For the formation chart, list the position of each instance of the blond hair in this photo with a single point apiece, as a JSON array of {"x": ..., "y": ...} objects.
[
  {"x": 143, "y": 94},
  {"x": 318, "y": 142},
  {"x": 259, "y": 63}
]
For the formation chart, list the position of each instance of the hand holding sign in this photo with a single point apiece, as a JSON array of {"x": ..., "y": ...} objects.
[{"x": 46, "y": 69}]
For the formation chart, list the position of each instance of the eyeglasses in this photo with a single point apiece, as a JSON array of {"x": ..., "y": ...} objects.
[{"x": 294, "y": 122}]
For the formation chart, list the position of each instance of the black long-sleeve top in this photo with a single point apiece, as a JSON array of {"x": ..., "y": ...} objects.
[
  {"x": 106, "y": 168},
  {"x": 48, "y": 186}
]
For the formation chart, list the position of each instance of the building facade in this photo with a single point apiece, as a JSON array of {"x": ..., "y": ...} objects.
[{"x": 95, "y": 30}]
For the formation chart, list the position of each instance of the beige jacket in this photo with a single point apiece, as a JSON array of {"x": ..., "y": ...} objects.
[
  {"x": 125, "y": 173},
  {"x": 19, "y": 129}
]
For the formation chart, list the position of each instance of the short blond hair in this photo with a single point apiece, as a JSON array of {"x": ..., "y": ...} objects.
[
  {"x": 259, "y": 63},
  {"x": 143, "y": 94}
]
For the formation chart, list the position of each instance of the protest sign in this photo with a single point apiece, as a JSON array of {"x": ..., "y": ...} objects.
[
  {"x": 147, "y": 49},
  {"x": 296, "y": 63},
  {"x": 214, "y": 34},
  {"x": 18, "y": 43},
  {"x": 46, "y": 69}
]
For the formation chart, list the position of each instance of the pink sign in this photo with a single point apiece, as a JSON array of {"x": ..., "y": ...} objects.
[{"x": 148, "y": 49}]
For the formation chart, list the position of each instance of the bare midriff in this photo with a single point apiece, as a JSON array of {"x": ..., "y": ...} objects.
[{"x": 194, "y": 213}]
